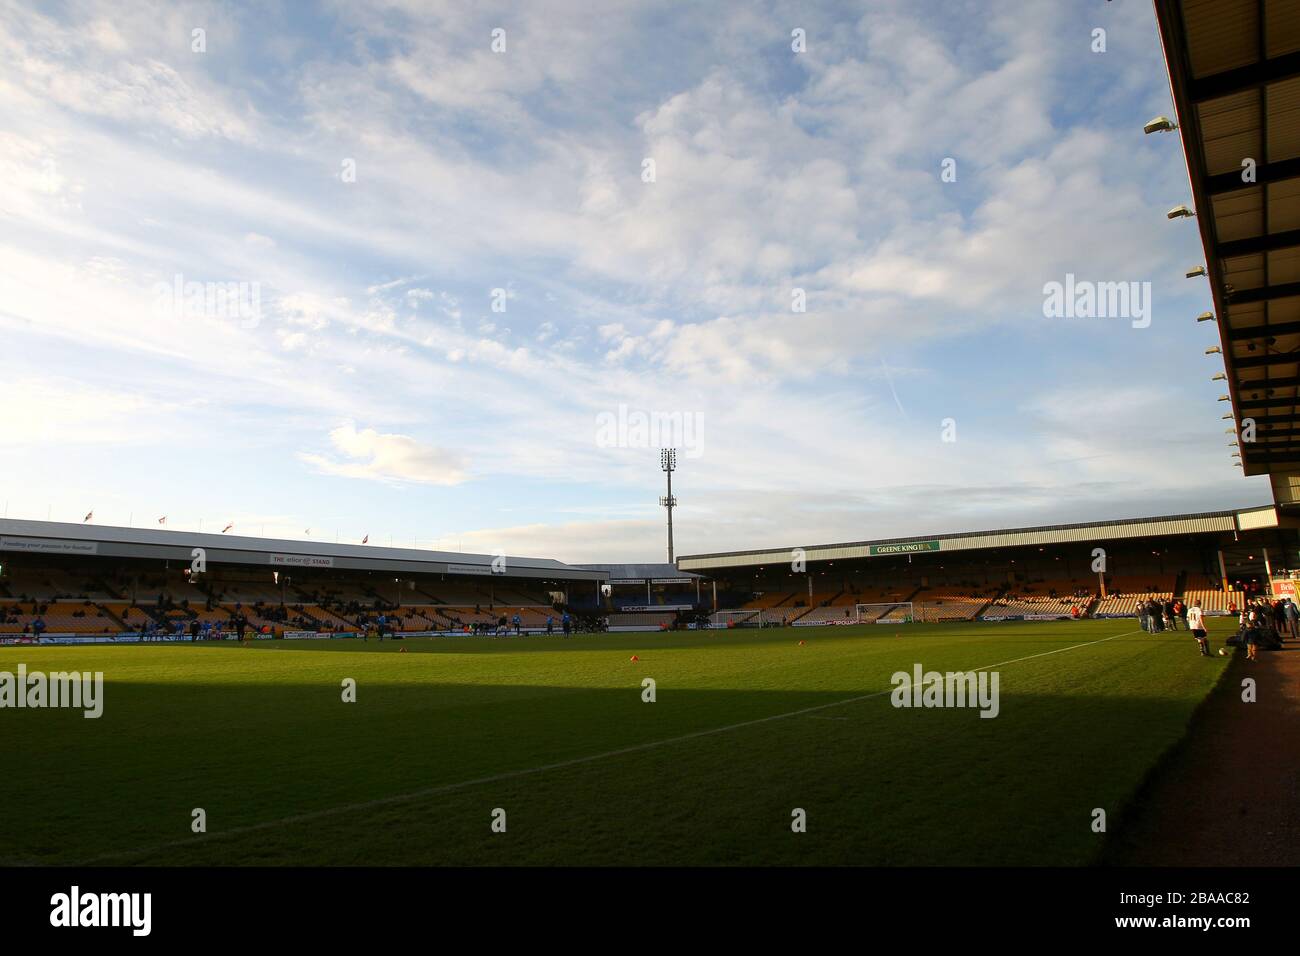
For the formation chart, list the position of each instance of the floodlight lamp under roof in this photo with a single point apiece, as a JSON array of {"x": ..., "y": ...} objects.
[
  {"x": 1160, "y": 124},
  {"x": 1179, "y": 212},
  {"x": 1205, "y": 317},
  {"x": 1195, "y": 271}
]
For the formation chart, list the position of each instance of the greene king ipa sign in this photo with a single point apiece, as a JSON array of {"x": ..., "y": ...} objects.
[{"x": 910, "y": 547}]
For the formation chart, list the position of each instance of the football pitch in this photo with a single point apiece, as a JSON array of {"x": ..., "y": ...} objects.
[{"x": 746, "y": 727}]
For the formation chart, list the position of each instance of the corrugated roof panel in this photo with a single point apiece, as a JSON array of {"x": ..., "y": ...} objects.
[
  {"x": 1230, "y": 130},
  {"x": 1283, "y": 103},
  {"x": 1286, "y": 487},
  {"x": 1221, "y": 34},
  {"x": 1284, "y": 205},
  {"x": 1284, "y": 310},
  {"x": 1284, "y": 266},
  {"x": 1238, "y": 215},
  {"x": 1244, "y": 272},
  {"x": 1244, "y": 316},
  {"x": 1282, "y": 26}
]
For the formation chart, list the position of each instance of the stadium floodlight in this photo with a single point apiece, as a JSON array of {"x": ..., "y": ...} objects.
[
  {"x": 1225, "y": 417},
  {"x": 1179, "y": 212},
  {"x": 1205, "y": 317},
  {"x": 1214, "y": 350},
  {"x": 1224, "y": 398},
  {"x": 1161, "y": 124},
  {"x": 1219, "y": 378},
  {"x": 1195, "y": 271},
  {"x": 668, "y": 464}
]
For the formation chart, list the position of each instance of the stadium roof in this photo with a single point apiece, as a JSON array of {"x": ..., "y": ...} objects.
[
  {"x": 1096, "y": 531},
  {"x": 1234, "y": 70},
  {"x": 52, "y": 538},
  {"x": 641, "y": 573}
]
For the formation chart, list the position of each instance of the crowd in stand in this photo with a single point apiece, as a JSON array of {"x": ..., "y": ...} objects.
[{"x": 14, "y": 613}]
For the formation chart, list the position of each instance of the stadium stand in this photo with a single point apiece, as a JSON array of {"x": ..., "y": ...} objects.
[
  {"x": 770, "y": 600},
  {"x": 1209, "y": 593},
  {"x": 71, "y": 617},
  {"x": 950, "y": 604},
  {"x": 1124, "y": 592}
]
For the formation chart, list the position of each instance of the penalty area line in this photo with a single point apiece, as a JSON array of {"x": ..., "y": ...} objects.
[{"x": 527, "y": 771}]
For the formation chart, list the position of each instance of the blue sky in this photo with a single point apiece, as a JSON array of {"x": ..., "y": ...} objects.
[{"x": 378, "y": 388}]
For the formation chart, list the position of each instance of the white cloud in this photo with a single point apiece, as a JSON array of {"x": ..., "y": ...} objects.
[
  {"x": 388, "y": 457},
  {"x": 126, "y": 160}
]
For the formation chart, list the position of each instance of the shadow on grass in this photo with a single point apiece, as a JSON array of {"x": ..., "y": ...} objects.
[{"x": 287, "y": 773}]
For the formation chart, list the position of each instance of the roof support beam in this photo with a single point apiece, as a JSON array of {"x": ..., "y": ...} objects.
[
  {"x": 1284, "y": 67},
  {"x": 1254, "y": 385},
  {"x": 1268, "y": 403},
  {"x": 1263, "y": 332},
  {"x": 1276, "y": 358},
  {"x": 1258, "y": 244},
  {"x": 1271, "y": 419},
  {"x": 1230, "y": 182},
  {"x": 1266, "y": 294}
]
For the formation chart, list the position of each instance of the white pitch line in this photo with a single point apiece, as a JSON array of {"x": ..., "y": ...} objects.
[
  {"x": 1057, "y": 651},
  {"x": 545, "y": 768}
]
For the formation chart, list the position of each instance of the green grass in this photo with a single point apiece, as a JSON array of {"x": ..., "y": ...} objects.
[{"x": 258, "y": 736}]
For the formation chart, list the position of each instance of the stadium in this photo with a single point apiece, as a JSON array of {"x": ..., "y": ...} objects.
[
  {"x": 1069, "y": 640},
  {"x": 521, "y": 665}
]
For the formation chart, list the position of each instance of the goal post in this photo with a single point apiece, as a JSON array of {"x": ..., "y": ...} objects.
[
  {"x": 893, "y": 612},
  {"x": 747, "y": 617}
]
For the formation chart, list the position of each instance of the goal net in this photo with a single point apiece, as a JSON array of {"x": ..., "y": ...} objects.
[
  {"x": 752, "y": 617},
  {"x": 898, "y": 612}
]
